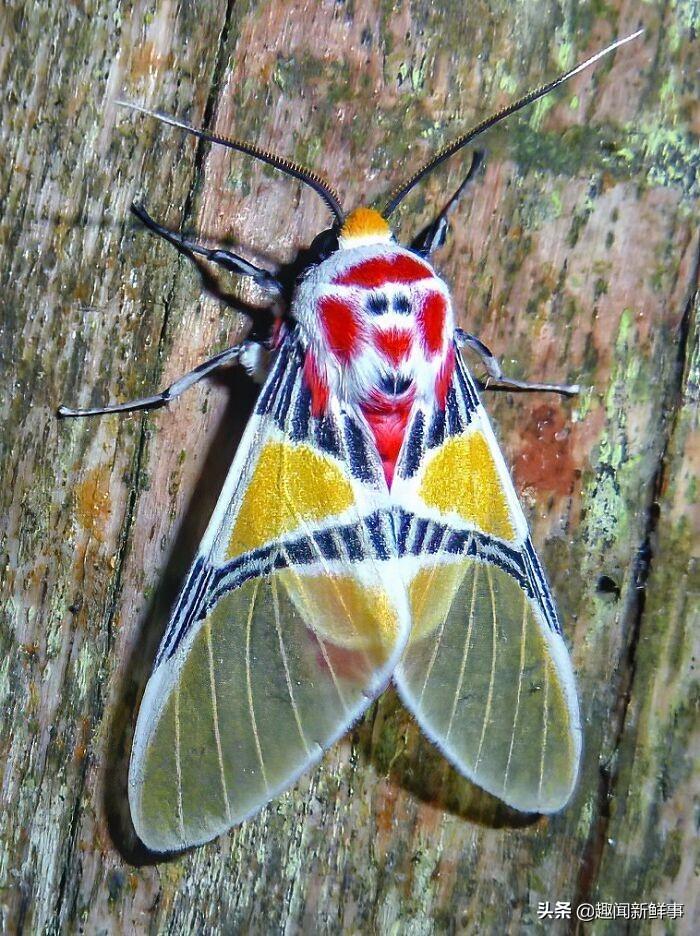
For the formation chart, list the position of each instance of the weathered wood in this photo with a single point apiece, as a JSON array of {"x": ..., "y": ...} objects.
[{"x": 576, "y": 257}]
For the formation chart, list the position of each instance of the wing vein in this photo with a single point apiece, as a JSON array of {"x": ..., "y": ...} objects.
[
  {"x": 249, "y": 685},
  {"x": 215, "y": 715},
  {"x": 288, "y": 678},
  {"x": 438, "y": 641},
  {"x": 465, "y": 653},
  {"x": 521, "y": 672},
  {"x": 492, "y": 676},
  {"x": 291, "y": 571}
]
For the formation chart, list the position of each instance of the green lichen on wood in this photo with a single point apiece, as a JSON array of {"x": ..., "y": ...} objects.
[{"x": 652, "y": 840}]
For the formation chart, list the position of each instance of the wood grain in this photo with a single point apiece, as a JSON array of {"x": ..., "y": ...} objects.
[{"x": 575, "y": 258}]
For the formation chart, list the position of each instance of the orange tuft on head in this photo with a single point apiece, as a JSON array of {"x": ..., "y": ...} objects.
[{"x": 364, "y": 225}]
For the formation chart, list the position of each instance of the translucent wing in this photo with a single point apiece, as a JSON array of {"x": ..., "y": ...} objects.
[
  {"x": 285, "y": 629},
  {"x": 486, "y": 671}
]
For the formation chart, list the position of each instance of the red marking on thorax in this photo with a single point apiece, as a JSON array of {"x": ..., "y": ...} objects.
[
  {"x": 378, "y": 271},
  {"x": 316, "y": 384},
  {"x": 431, "y": 321},
  {"x": 340, "y": 325},
  {"x": 387, "y": 418},
  {"x": 348, "y": 330},
  {"x": 393, "y": 343}
]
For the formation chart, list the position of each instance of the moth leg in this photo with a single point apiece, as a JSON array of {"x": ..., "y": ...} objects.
[
  {"x": 224, "y": 258},
  {"x": 433, "y": 236},
  {"x": 170, "y": 393},
  {"x": 496, "y": 379}
]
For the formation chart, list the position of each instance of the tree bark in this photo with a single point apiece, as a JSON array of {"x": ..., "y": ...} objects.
[{"x": 575, "y": 258}]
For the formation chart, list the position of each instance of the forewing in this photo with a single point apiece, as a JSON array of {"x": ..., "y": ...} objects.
[
  {"x": 486, "y": 671},
  {"x": 285, "y": 629}
]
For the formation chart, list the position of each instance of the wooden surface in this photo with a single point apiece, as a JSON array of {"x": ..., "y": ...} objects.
[{"x": 575, "y": 257}]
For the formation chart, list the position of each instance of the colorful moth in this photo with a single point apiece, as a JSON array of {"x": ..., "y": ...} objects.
[{"x": 367, "y": 531}]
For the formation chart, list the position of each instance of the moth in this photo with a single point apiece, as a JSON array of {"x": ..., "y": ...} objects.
[{"x": 368, "y": 531}]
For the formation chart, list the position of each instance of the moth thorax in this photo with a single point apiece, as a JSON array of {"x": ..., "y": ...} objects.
[{"x": 364, "y": 226}]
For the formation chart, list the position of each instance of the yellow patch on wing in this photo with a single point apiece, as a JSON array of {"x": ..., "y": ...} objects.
[
  {"x": 291, "y": 485},
  {"x": 346, "y": 612},
  {"x": 431, "y": 593},
  {"x": 462, "y": 477}
]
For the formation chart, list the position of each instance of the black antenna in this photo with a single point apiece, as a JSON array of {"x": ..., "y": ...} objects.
[
  {"x": 297, "y": 171},
  {"x": 451, "y": 148}
]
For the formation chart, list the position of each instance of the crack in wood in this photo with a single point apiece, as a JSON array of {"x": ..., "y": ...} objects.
[
  {"x": 609, "y": 772},
  {"x": 98, "y": 707}
]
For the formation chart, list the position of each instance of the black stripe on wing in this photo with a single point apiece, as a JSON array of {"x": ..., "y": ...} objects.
[
  {"x": 429, "y": 427},
  {"x": 372, "y": 538},
  {"x": 539, "y": 585},
  {"x": 281, "y": 371},
  {"x": 340, "y": 432},
  {"x": 184, "y": 613},
  {"x": 418, "y": 536}
]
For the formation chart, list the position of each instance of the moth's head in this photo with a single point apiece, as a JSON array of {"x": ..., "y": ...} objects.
[
  {"x": 361, "y": 226},
  {"x": 364, "y": 226}
]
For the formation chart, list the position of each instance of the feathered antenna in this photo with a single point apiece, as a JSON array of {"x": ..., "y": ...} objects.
[
  {"x": 450, "y": 149},
  {"x": 287, "y": 166}
]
